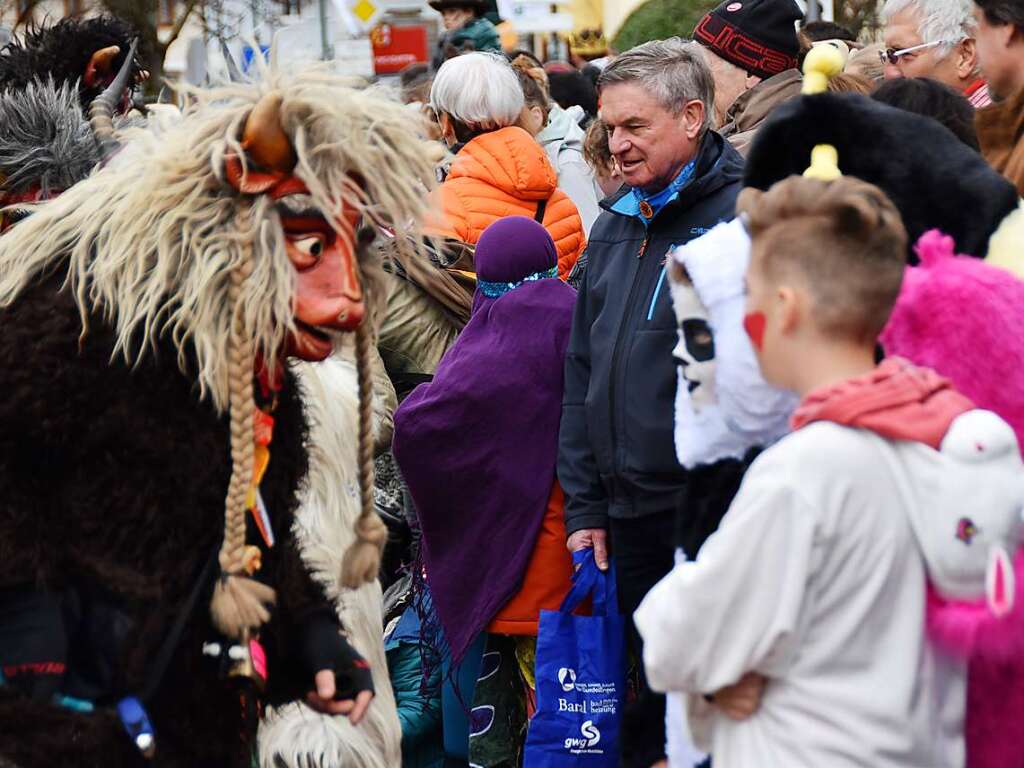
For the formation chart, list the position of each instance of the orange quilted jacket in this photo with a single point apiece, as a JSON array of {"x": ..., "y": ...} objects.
[{"x": 506, "y": 173}]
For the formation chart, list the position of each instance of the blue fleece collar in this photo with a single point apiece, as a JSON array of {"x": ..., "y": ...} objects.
[{"x": 630, "y": 204}]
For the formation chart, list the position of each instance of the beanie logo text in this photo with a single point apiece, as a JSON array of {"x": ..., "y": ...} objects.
[{"x": 733, "y": 45}]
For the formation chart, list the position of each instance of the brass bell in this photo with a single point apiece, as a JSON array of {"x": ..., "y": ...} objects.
[{"x": 241, "y": 664}]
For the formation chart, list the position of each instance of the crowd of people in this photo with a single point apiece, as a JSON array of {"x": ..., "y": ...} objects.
[
  {"x": 670, "y": 148},
  {"x": 736, "y": 313}
]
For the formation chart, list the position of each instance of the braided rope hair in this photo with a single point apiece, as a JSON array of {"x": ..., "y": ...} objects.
[
  {"x": 239, "y": 602},
  {"x": 361, "y": 561}
]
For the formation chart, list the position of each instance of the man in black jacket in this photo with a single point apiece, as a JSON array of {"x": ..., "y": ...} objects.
[{"x": 617, "y": 463}]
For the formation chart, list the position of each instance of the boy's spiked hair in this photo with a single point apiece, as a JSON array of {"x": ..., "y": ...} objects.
[{"x": 843, "y": 238}]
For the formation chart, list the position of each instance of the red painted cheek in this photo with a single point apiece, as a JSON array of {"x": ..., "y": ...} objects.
[{"x": 753, "y": 324}]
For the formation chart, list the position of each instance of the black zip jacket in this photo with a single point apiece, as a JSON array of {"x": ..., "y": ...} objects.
[{"x": 616, "y": 456}]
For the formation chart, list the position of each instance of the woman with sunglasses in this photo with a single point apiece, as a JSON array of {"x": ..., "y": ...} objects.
[{"x": 934, "y": 39}]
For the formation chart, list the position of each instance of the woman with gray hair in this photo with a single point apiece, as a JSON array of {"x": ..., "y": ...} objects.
[
  {"x": 498, "y": 170},
  {"x": 934, "y": 39}
]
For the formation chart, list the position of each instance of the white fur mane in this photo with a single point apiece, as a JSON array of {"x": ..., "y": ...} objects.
[{"x": 294, "y": 736}]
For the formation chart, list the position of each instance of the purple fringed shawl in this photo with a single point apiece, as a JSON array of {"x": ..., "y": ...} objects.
[{"x": 477, "y": 445}]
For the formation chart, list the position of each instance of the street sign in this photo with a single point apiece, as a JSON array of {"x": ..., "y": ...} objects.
[
  {"x": 364, "y": 13},
  {"x": 395, "y": 47},
  {"x": 531, "y": 16},
  {"x": 299, "y": 44}
]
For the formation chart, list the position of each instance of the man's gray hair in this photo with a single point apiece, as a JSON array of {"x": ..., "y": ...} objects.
[
  {"x": 673, "y": 71},
  {"x": 948, "y": 21},
  {"x": 479, "y": 90}
]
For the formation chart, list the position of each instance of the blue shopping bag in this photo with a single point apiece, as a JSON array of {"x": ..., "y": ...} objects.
[{"x": 580, "y": 676}]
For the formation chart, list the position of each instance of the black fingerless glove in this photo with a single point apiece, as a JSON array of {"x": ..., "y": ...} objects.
[{"x": 324, "y": 648}]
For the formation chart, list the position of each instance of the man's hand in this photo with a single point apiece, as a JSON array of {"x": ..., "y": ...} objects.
[
  {"x": 322, "y": 698},
  {"x": 740, "y": 701},
  {"x": 591, "y": 537}
]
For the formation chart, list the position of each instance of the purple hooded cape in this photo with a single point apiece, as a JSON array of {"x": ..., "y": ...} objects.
[{"x": 477, "y": 445}]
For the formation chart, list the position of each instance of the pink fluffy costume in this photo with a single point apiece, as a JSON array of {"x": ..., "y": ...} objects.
[{"x": 962, "y": 317}]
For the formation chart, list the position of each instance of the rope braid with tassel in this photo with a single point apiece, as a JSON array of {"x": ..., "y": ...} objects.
[
  {"x": 362, "y": 560},
  {"x": 239, "y": 603}
]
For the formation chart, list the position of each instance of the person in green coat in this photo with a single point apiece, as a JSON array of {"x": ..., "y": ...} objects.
[
  {"x": 419, "y": 710},
  {"x": 466, "y": 28}
]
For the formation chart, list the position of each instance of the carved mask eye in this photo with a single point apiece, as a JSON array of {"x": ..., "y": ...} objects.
[{"x": 306, "y": 250}]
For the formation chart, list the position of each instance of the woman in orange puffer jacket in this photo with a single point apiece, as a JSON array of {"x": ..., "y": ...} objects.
[{"x": 498, "y": 170}]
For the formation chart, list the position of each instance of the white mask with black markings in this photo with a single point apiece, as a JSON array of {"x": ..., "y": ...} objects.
[
  {"x": 724, "y": 406},
  {"x": 695, "y": 351}
]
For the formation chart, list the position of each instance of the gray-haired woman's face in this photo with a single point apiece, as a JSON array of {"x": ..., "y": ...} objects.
[{"x": 447, "y": 125}]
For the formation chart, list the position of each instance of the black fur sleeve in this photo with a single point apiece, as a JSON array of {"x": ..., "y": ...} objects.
[
  {"x": 710, "y": 489},
  {"x": 45, "y": 406}
]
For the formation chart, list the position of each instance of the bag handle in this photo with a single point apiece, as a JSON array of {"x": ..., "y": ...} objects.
[{"x": 591, "y": 580}]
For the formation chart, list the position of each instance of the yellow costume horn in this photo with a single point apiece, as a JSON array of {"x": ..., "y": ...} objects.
[{"x": 823, "y": 62}]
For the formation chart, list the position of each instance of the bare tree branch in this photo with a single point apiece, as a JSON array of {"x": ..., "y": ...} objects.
[{"x": 182, "y": 20}]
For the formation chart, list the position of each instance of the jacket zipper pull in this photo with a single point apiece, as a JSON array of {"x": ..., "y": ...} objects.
[{"x": 643, "y": 247}]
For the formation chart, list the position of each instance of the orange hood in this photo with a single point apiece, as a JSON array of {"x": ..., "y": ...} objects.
[{"x": 510, "y": 160}]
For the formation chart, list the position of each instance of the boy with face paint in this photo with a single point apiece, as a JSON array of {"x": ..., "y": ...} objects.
[
  {"x": 725, "y": 414},
  {"x": 816, "y": 578}
]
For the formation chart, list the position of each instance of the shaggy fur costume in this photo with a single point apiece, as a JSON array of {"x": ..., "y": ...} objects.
[
  {"x": 46, "y": 143},
  {"x": 161, "y": 215},
  {"x": 982, "y": 352},
  {"x": 112, "y": 479},
  {"x": 295, "y": 736},
  {"x": 114, "y": 446},
  {"x": 934, "y": 179},
  {"x": 62, "y": 52}
]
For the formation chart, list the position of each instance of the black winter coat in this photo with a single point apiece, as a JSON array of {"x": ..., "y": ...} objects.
[
  {"x": 616, "y": 453},
  {"x": 112, "y": 486}
]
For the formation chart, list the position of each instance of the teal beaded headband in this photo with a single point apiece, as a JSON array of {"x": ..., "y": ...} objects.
[{"x": 494, "y": 290}]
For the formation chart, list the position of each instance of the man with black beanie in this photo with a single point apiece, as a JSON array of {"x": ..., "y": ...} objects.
[{"x": 751, "y": 48}]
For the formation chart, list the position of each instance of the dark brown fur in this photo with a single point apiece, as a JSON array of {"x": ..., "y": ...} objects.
[{"x": 116, "y": 477}]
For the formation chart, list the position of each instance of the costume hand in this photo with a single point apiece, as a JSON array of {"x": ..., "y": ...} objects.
[
  {"x": 591, "y": 537},
  {"x": 740, "y": 701},
  {"x": 322, "y": 698},
  {"x": 342, "y": 679}
]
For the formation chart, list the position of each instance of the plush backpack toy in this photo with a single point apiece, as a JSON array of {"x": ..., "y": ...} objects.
[{"x": 961, "y": 317}]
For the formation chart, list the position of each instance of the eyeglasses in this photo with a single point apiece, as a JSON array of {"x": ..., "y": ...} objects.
[{"x": 893, "y": 56}]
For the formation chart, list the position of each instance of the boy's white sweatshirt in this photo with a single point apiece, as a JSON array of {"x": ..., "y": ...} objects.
[{"x": 816, "y": 580}]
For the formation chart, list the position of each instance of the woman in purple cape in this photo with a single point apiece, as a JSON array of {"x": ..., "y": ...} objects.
[{"x": 477, "y": 447}]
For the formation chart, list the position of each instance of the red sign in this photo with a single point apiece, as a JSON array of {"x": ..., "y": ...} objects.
[{"x": 395, "y": 48}]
